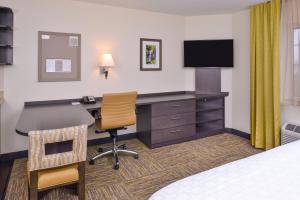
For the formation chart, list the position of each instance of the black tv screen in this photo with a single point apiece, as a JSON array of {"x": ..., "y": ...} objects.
[{"x": 208, "y": 53}]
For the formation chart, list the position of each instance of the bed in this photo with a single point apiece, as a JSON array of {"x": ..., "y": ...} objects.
[{"x": 271, "y": 175}]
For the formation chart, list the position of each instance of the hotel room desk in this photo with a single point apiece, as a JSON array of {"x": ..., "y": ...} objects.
[{"x": 44, "y": 115}]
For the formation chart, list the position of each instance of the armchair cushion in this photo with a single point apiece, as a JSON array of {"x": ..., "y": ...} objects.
[{"x": 57, "y": 176}]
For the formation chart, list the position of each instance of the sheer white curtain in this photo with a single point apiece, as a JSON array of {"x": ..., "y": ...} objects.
[{"x": 291, "y": 52}]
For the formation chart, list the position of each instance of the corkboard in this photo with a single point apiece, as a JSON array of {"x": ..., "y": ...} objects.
[{"x": 59, "y": 57}]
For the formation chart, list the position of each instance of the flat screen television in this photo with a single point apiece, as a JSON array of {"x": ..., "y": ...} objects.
[{"x": 208, "y": 53}]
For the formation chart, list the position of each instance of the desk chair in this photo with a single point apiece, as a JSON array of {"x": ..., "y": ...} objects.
[
  {"x": 117, "y": 112},
  {"x": 47, "y": 170}
]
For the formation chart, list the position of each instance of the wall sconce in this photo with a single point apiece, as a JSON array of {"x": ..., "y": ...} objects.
[{"x": 107, "y": 62}]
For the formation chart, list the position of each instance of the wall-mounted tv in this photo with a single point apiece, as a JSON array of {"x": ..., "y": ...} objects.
[{"x": 208, "y": 53}]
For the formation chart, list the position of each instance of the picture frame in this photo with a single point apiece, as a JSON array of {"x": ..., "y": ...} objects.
[{"x": 150, "y": 54}]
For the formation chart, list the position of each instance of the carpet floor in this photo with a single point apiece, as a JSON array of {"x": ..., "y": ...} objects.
[{"x": 139, "y": 179}]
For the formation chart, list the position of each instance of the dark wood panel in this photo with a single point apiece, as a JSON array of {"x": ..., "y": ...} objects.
[
  {"x": 6, "y": 36},
  {"x": 208, "y": 80},
  {"x": 211, "y": 127},
  {"x": 175, "y": 107},
  {"x": 144, "y": 124},
  {"x": 174, "y": 133},
  {"x": 6, "y": 17},
  {"x": 210, "y": 115},
  {"x": 5, "y": 169},
  {"x": 210, "y": 121},
  {"x": 204, "y": 102},
  {"x": 168, "y": 116},
  {"x": 168, "y": 121},
  {"x": 210, "y": 133}
]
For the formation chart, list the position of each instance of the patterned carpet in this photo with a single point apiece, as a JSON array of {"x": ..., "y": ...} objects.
[{"x": 138, "y": 179}]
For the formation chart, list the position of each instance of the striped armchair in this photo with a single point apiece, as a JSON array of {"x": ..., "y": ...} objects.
[{"x": 56, "y": 158}]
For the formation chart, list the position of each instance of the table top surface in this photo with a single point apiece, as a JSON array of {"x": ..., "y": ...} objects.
[
  {"x": 148, "y": 100},
  {"x": 54, "y": 116}
]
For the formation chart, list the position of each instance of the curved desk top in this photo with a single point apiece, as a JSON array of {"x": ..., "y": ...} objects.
[
  {"x": 52, "y": 117},
  {"x": 47, "y": 115}
]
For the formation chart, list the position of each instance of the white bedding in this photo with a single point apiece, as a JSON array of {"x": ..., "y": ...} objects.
[{"x": 271, "y": 175}]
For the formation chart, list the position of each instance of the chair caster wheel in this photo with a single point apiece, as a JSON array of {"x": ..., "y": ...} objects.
[
  {"x": 123, "y": 147},
  {"x": 116, "y": 167},
  {"x": 136, "y": 156},
  {"x": 100, "y": 150},
  {"x": 92, "y": 162}
]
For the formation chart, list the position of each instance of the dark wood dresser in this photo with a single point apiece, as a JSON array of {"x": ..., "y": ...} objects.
[
  {"x": 170, "y": 122},
  {"x": 166, "y": 123}
]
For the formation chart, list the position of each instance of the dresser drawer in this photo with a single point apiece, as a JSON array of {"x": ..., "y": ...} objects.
[
  {"x": 173, "y": 107},
  {"x": 168, "y": 121},
  {"x": 175, "y": 133}
]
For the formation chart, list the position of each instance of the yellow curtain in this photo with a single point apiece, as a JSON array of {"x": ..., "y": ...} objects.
[{"x": 265, "y": 74}]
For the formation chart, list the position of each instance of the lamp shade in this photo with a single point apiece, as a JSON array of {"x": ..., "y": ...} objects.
[{"x": 107, "y": 60}]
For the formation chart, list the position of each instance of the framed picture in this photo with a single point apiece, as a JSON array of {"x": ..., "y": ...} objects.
[{"x": 150, "y": 55}]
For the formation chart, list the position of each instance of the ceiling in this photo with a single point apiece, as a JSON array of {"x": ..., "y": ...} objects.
[{"x": 182, "y": 7}]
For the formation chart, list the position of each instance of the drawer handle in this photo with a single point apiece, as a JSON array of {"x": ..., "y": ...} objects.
[
  {"x": 176, "y": 105},
  {"x": 175, "y": 118},
  {"x": 176, "y": 131}
]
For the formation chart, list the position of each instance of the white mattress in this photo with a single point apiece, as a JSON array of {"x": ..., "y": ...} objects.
[{"x": 271, "y": 175}]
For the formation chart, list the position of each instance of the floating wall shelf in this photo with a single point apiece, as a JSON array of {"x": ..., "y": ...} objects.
[{"x": 6, "y": 36}]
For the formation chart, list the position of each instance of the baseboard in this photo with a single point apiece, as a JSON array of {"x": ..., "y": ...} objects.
[
  {"x": 13, "y": 155},
  {"x": 23, "y": 154},
  {"x": 5, "y": 171},
  {"x": 237, "y": 132}
]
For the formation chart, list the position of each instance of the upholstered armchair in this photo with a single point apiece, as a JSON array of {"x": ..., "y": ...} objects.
[{"x": 57, "y": 158}]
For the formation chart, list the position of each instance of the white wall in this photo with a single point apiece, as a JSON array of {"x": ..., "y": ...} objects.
[
  {"x": 116, "y": 30},
  {"x": 241, "y": 72},
  {"x": 236, "y": 81},
  {"x": 212, "y": 27},
  {"x": 103, "y": 29}
]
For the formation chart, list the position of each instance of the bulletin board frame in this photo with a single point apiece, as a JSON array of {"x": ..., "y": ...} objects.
[{"x": 59, "y": 56}]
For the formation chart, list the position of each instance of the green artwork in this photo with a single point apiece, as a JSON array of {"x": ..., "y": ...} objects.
[{"x": 150, "y": 54}]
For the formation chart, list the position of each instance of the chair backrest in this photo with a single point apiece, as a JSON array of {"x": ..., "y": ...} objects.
[
  {"x": 38, "y": 159},
  {"x": 118, "y": 110}
]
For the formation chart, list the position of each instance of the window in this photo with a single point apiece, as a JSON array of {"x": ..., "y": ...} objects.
[
  {"x": 290, "y": 52},
  {"x": 296, "y": 67}
]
